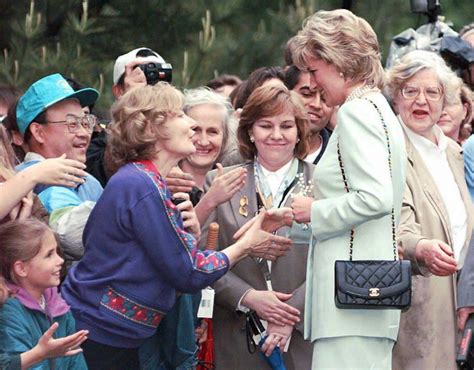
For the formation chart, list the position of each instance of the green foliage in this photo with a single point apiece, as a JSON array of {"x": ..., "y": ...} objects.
[{"x": 201, "y": 38}]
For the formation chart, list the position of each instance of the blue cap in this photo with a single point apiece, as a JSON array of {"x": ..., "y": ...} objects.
[{"x": 45, "y": 93}]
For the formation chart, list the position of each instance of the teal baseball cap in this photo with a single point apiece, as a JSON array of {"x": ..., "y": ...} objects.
[{"x": 46, "y": 92}]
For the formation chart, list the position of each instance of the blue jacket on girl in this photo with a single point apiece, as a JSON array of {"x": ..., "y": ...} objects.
[{"x": 23, "y": 322}]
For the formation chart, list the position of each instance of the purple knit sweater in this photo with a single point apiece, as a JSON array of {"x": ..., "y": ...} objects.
[{"x": 137, "y": 256}]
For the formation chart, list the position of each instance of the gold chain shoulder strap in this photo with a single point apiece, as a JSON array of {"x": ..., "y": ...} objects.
[{"x": 346, "y": 185}]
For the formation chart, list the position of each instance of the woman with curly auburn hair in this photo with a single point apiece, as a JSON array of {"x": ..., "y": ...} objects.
[
  {"x": 358, "y": 189},
  {"x": 140, "y": 248}
]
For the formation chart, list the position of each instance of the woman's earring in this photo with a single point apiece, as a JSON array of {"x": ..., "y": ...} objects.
[
  {"x": 252, "y": 139},
  {"x": 341, "y": 74},
  {"x": 297, "y": 140}
]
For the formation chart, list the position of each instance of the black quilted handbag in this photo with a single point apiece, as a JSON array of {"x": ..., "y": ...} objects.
[{"x": 372, "y": 284}]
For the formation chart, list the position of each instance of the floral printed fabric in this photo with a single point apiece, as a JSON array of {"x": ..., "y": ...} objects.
[{"x": 131, "y": 310}]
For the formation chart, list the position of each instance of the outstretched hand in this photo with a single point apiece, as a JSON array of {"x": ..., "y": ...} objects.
[
  {"x": 256, "y": 236},
  {"x": 48, "y": 347},
  {"x": 267, "y": 220}
]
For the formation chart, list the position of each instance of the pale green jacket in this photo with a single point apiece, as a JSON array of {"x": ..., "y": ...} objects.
[{"x": 367, "y": 208}]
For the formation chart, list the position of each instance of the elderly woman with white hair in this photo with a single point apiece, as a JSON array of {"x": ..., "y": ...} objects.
[
  {"x": 214, "y": 131},
  {"x": 437, "y": 217}
]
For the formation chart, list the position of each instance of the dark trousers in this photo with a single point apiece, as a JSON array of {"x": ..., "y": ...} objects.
[{"x": 100, "y": 357}]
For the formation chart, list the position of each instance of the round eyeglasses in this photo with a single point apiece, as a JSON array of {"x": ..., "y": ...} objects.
[
  {"x": 74, "y": 123},
  {"x": 433, "y": 93}
]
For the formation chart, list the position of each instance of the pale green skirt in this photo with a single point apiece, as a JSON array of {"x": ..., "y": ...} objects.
[{"x": 352, "y": 353}]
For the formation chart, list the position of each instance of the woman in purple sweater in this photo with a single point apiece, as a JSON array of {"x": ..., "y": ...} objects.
[{"x": 138, "y": 250}]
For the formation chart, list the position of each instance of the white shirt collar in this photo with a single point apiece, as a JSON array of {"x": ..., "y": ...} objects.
[
  {"x": 281, "y": 172},
  {"x": 275, "y": 178},
  {"x": 32, "y": 156},
  {"x": 422, "y": 143}
]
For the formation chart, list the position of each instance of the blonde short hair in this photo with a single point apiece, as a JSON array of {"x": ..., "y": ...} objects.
[
  {"x": 137, "y": 120},
  {"x": 416, "y": 61},
  {"x": 344, "y": 40}
]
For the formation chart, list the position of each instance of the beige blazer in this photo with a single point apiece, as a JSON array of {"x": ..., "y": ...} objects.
[
  {"x": 427, "y": 337},
  {"x": 288, "y": 276}
]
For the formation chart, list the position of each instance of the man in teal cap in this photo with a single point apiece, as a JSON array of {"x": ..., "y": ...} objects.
[{"x": 50, "y": 117}]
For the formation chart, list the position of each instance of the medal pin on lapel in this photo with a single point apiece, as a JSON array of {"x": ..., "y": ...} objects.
[{"x": 243, "y": 202}]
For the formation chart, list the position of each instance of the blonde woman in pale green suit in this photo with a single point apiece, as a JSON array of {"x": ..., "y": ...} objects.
[{"x": 341, "y": 52}]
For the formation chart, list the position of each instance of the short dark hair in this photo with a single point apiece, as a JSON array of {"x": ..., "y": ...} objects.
[
  {"x": 9, "y": 95},
  {"x": 292, "y": 76},
  {"x": 224, "y": 80},
  {"x": 256, "y": 79}
]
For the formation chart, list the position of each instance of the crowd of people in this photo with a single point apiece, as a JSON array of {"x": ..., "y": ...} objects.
[{"x": 105, "y": 229}]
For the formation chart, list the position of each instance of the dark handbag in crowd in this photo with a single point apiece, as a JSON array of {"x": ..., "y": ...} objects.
[{"x": 372, "y": 284}]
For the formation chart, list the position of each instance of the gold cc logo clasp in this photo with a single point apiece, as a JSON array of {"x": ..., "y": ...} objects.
[{"x": 374, "y": 292}]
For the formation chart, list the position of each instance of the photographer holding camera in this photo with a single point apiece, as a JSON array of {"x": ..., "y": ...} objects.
[{"x": 139, "y": 67}]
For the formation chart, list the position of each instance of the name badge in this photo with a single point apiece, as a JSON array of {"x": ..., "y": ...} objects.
[{"x": 206, "y": 306}]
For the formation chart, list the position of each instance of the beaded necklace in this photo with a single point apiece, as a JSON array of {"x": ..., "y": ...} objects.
[{"x": 360, "y": 91}]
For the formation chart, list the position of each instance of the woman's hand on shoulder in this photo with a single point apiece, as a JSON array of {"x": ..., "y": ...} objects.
[
  {"x": 270, "y": 306},
  {"x": 225, "y": 185},
  {"x": 57, "y": 171},
  {"x": 437, "y": 256},
  {"x": 190, "y": 220},
  {"x": 302, "y": 208},
  {"x": 278, "y": 335}
]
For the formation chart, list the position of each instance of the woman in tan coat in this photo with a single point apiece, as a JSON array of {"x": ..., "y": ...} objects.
[{"x": 437, "y": 217}]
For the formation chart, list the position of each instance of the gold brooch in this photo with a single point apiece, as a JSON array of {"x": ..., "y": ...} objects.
[{"x": 244, "y": 202}]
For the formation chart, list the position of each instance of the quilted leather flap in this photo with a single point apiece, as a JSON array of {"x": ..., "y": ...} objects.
[{"x": 359, "y": 277}]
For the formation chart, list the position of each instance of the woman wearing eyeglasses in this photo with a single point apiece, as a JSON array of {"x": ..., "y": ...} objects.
[{"x": 437, "y": 218}]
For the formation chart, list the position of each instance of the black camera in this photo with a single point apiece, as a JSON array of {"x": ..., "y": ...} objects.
[{"x": 155, "y": 72}]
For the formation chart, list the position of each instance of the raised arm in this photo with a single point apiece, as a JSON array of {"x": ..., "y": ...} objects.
[{"x": 54, "y": 171}]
